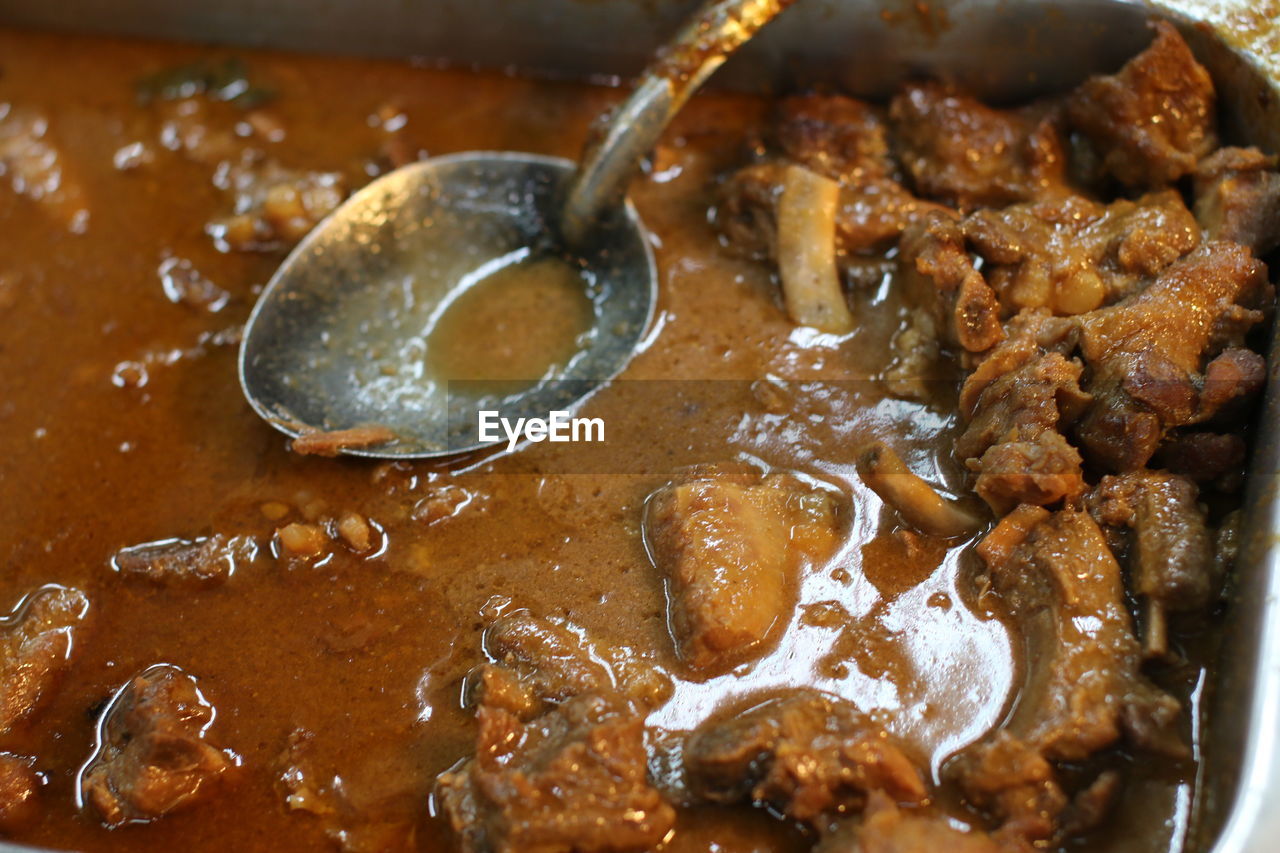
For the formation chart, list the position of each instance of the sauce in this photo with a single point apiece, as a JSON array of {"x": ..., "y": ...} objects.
[{"x": 520, "y": 322}]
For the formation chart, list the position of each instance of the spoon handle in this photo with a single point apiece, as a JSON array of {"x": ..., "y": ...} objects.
[{"x": 612, "y": 154}]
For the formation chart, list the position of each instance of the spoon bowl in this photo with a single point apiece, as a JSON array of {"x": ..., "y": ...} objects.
[{"x": 340, "y": 337}]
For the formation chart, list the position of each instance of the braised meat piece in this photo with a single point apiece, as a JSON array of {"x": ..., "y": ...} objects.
[
  {"x": 153, "y": 754},
  {"x": 38, "y": 643},
  {"x": 729, "y": 543},
  {"x": 1154, "y": 119},
  {"x": 1013, "y": 441},
  {"x": 1009, "y": 778},
  {"x": 207, "y": 560},
  {"x": 886, "y": 828},
  {"x": 19, "y": 792},
  {"x": 805, "y": 754},
  {"x": 1208, "y": 458},
  {"x": 840, "y": 137},
  {"x": 963, "y": 153},
  {"x": 1171, "y": 557},
  {"x": 1072, "y": 255},
  {"x": 940, "y": 276},
  {"x": 1082, "y": 688},
  {"x": 573, "y": 779},
  {"x": 1237, "y": 194},
  {"x": 540, "y": 662},
  {"x": 1146, "y": 353},
  {"x": 870, "y": 215}
]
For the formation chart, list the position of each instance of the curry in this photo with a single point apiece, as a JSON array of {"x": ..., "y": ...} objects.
[{"x": 909, "y": 527}]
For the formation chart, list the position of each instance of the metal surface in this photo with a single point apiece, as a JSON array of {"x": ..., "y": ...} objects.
[
  {"x": 1004, "y": 49},
  {"x": 339, "y": 337},
  {"x": 612, "y": 156}
]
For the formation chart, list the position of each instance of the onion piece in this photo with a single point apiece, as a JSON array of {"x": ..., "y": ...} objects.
[
  {"x": 916, "y": 501},
  {"x": 807, "y": 251}
]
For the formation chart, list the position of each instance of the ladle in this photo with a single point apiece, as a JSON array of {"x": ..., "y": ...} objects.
[{"x": 340, "y": 338}]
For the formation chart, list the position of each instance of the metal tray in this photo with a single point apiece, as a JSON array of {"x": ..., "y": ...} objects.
[{"x": 1002, "y": 49}]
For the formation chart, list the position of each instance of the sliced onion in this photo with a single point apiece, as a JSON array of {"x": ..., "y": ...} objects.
[{"x": 807, "y": 251}]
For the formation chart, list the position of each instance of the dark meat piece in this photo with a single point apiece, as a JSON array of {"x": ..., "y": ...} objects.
[
  {"x": 918, "y": 369},
  {"x": 1082, "y": 689},
  {"x": 729, "y": 543},
  {"x": 805, "y": 754},
  {"x": 1040, "y": 471},
  {"x": 885, "y": 828},
  {"x": 959, "y": 151},
  {"x": 940, "y": 276},
  {"x": 372, "y": 807},
  {"x": 836, "y": 136},
  {"x": 1011, "y": 779},
  {"x": 1012, "y": 441},
  {"x": 574, "y": 779},
  {"x": 1208, "y": 458},
  {"x": 1072, "y": 255},
  {"x": 539, "y": 662},
  {"x": 1236, "y": 375},
  {"x": 1153, "y": 119},
  {"x": 1237, "y": 194},
  {"x": 1171, "y": 559},
  {"x": 1030, "y": 334},
  {"x": 1146, "y": 352},
  {"x": 870, "y": 215},
  {"x": 38, "y": 642},
  {"x": 19, "y": 792},
  {"x": 207, "y": 560},
  {"x": 153, "y": 756}
]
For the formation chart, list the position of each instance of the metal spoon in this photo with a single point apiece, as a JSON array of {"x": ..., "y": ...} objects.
[{"x": 338, "y": 338}]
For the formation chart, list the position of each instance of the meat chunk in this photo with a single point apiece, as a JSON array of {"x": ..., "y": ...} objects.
[
  {"x": 540, "y": 662},
  {"x": 1237, "y": 193},
  {"x": 961, "y": 152},
  {"x": 574, "y": 779},
  {"x": 729, "y": 542},
  {"x": 870, "y": 215},
  {"x": 806, "y": 754},
  {"x": 886, "y": 828},
  {"x": 20, "y": 786},
  {"x": 1082, "y": 686},
  {"x": 940, "y": 276},
  {"x": 1207, "y": 458},
  {"x": 204, "y": 560},
  {"x": 1153, "y": 119},
  {"x": 38, "y": 643},
  {"x": 153, "y": 754},
  {"x": 840, "y": 137},
  {"x": 1072, "y": 255},
  {"x": 1146, "y": 353},
  {"x": 1013, "y": 441},
  {"x": 1171, "y": 557}
]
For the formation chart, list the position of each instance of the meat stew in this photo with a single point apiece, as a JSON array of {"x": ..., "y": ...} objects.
[{"x": 845, "y": 680}]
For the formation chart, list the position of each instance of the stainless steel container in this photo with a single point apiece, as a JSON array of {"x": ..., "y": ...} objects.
[{"x": 1002, "y": 49}]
